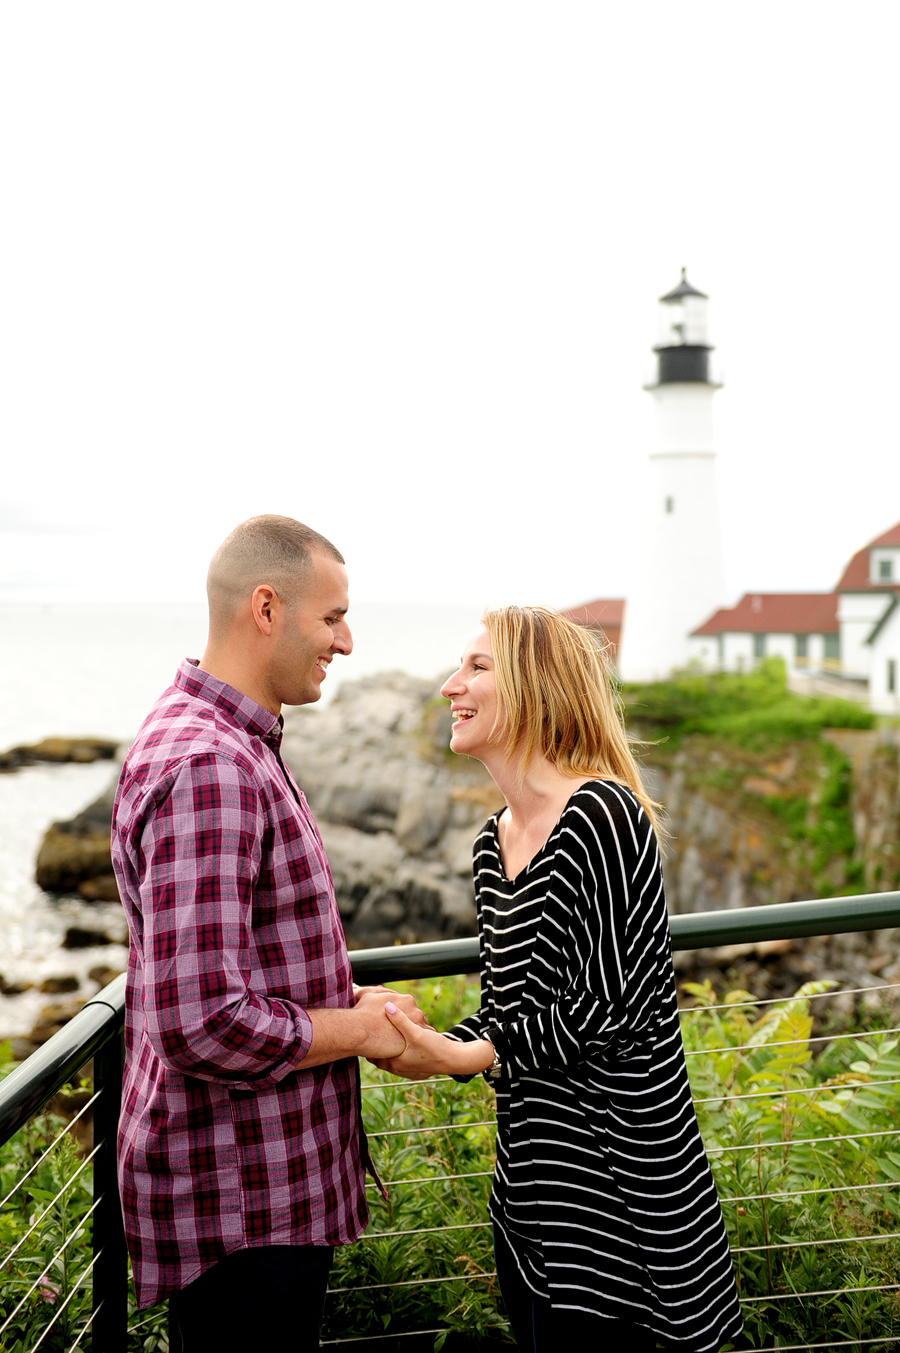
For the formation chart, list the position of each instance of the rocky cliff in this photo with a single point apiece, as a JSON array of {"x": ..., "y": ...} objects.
[{"x": 398, "y": 814}]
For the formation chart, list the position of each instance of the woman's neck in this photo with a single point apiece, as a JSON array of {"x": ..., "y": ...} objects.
[{"x": 541, "y": 790}]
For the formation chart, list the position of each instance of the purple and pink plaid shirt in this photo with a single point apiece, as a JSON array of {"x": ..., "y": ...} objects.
[{"x": 235, "y": 933}]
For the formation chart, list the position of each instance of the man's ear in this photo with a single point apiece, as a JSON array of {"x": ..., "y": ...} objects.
[{"x": 263, "y": 604}]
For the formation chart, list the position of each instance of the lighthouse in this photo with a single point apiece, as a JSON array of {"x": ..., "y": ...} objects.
[{"x": 680, "y": 580}]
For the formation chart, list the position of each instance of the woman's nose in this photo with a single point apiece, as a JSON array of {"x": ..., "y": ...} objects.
[{"x": 450, "y": 686}]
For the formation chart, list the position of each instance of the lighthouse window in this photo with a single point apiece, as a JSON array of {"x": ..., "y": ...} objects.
[
  {"x": 891, "y": 675},
  {"x": 832, "y": 648},
  {"x": 670, "y": 504},
  {"x": 759, "y": 645},
  {"x": 885, "y": 568},
  {"x": 802, "y": 641}
]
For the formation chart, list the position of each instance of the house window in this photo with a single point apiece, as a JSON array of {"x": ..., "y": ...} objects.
[
  {"x": 759, "y": 645},
  {"x": 833, "y": 649},
  {"x": 670, "y": 504},
  {"x": 802, "y": 649},
  {"x": 885, "y": 569},
  {"x": 892, "y": 676}
]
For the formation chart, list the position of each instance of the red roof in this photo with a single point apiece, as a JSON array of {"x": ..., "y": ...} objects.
[
  {"x": 606, "y": 614},
  {"x": 605, "y": 611},
  {"x": 776, "y": 613},
  {"x": 891, "y": 537},
  {"x": 855, "y": 577}
]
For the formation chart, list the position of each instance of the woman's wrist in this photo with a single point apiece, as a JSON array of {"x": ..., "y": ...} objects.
[{"x": 471, "y": 1057}]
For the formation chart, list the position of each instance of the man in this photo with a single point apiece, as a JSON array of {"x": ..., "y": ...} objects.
[{"x": 241, "y": 1153}]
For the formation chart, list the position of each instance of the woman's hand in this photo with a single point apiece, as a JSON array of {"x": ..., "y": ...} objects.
[
  {"x": 405, "y": 1003},
  {"x": 428, "y": 1053}
]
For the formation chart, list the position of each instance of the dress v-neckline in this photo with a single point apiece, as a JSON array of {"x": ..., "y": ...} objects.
[{"x": 539, "y": 852}]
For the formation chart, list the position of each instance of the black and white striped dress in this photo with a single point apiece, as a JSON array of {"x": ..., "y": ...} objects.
[{"x": 602, "y": 1187}]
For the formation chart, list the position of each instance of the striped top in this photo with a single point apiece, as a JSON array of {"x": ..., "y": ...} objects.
[{"x": 602, "y": 1186}]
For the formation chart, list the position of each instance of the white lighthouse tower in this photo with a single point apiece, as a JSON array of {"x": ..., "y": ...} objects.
[{"x": 681, "y": 578}]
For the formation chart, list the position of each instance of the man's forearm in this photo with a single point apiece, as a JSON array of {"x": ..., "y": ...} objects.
[{"x": 362, "y": 1031}]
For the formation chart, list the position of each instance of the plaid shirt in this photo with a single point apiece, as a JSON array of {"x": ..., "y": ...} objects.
[{"x": 234, "y": 934}]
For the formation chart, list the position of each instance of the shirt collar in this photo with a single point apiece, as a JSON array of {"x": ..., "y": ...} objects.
[{"x": 255, "y": 719}]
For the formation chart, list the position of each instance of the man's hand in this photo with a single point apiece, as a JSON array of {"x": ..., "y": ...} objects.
[
  {"x": 364, "y": 1030},
  {"x": 428, "y": 1053}
]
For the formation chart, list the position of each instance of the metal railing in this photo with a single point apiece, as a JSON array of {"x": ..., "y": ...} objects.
[{"x": 96, "y": 1033}]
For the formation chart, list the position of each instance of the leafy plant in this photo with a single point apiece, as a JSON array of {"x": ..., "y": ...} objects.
[{"x": 750, "y": 709}]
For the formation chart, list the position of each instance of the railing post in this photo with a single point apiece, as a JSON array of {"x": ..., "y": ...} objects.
[{"x": 109, "y": 1329}]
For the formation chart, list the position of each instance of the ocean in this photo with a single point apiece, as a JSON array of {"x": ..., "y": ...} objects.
[{"x": 95, "y": 669}]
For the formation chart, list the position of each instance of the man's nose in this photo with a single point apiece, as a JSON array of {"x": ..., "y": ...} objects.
[{"x": 343, "y": 639}]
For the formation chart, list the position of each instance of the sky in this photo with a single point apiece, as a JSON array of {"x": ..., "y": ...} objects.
[{"x": 392, "y": 269}]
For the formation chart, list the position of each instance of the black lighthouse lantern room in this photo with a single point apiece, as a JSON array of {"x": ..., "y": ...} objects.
[{"x": 682, "y": 346}]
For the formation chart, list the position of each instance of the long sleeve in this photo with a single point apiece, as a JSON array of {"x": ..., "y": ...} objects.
[
  {"x": 595, "y": 961},
  {"x": 200, "y": 852}
]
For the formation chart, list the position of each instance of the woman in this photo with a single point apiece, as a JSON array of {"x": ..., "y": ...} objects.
[{"x": 606, "y": 1221}]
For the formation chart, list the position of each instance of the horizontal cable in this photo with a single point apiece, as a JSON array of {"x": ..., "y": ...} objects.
[
  {"x": 428, "y": 1230},
  {"x": 804, "y": 1244},
  {"x": 807, "y": 1090},
  {"x": 832, "y": 1343},
  {"x": 431, "y": 1179},
  {"x": 367, "y": 1338},
  {"x": 86, "y": 1271},
  {"x": 833, "y": 1291},
  {"x": 411, "y": 1282},
  {"x": 438, "y": 1127},
  {"x": 399, "y": 1084},
  {"x": 41, "y": 1276},
  {"x": 721, "y": 1007},
  {"x": 805, "y": 1193},
  {"x": 41, "y": 1160},
  {"x": 35, "y": 1224},
  {"x": 787, "y": 1043},
  {"x": 398, "y": 1334},
  {"x": 805, "y": 1141}
]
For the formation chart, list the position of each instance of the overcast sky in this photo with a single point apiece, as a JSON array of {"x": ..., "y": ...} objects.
[{"x": 392, "y": 268}]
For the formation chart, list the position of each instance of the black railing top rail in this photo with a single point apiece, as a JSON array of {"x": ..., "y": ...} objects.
[
  {"x": 700, "y": 930},
  {"x": 27, "y": 1089}
]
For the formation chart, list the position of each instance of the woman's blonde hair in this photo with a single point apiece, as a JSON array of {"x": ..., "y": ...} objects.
[{"x": 556, "y": 699}]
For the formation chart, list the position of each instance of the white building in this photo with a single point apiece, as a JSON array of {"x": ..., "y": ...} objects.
[
  {"x": 681, "y": 575},
  {"x": 869, "y": 614},
  {"x": 852, "y": 633},
  {"x": 801, "y": 628}
]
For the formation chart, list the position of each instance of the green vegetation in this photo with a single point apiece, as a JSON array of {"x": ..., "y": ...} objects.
[
  {"x": 753, "y": 748},
  {"x": 750, "y": 709},
  {"x": 801, "y": 1166},
  {"x": 794, "y": 1136}
]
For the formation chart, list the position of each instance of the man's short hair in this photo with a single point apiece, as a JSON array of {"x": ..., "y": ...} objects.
[{"x": 265, "y": 549}]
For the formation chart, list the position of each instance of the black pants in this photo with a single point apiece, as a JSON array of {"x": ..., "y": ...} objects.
[
  {"x": 539, "y": 1329},
  {"x": 270, "y": 1297}
]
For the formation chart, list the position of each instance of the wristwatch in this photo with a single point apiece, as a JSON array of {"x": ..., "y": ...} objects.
[{"x": 495, "y": 1070}]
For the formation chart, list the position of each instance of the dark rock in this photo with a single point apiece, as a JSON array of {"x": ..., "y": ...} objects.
[
  {"x": 76, "y": 938},
  {"x": 65, "y": 860},
  {"x": 101, "y": 889},
  {"x": 58, "y": 751},
  {"x": 13, "y": 988},
  {"x": 53, "y": 1018},
  {"x": 57, "y": 986},
  {"x": 103, "y": 975}
]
